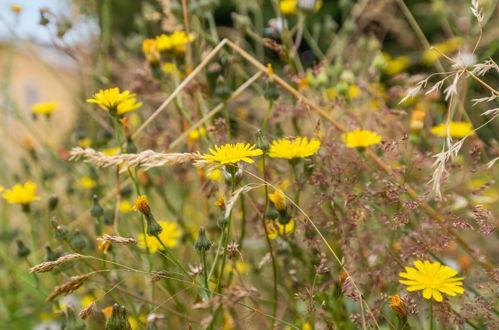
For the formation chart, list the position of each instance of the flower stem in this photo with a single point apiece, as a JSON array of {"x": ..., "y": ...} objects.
[
  {"x": 431, "y": 314},
  {"x": 267, "y": 115}
]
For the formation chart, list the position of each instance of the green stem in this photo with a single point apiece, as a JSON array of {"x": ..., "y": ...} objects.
[
  {"x": 431, "y": 314},
  {"x": 269, "y": 244},
  {"x": 174, "y": 259},
  {"x": 227, "y": 120},
  {"x": 267, "y": 115}
]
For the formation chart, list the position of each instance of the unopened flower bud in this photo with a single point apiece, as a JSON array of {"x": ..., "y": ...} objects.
[
  {"x": 270, "y": 93},
  {"x": 96, "y": 211},
  {"x": 222, "y": 90},
  {"x": 153, "y": 227},
  {"x": 60, "y": 231},
  {"x": 51, "y": 255},
  {"x": 202, "y": 244},
  {"x": 78, "y": 240},
  {"x": 222, "y": 221},
  {"x": 52, "y": 202},
  {"x": 71, "y": 322},
  {"x": 22, "y": 250},
  {"x": 118, "y": 319}
]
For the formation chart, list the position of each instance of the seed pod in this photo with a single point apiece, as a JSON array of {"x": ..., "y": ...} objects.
[{"x": 52, "y": 202}]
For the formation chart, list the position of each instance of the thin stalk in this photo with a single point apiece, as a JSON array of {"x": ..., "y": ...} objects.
[
  {"x": 267, "y": 115},
  {"x": 431, "y": 314},
  {"x": 269, "y": 244}
]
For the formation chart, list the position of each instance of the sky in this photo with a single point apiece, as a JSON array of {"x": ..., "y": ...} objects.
[{"x": 26, "y": 24}]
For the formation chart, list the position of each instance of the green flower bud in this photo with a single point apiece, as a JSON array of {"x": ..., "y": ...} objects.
[
  {"x": 270, "y": 93},
  {"x": 52, "y": 202},
  {"x": 153, "y": 227},
  {"x": 222, "y": 90},
  {"x": 60, "y": 231},
  {"x": 96, "y": 211},
  {"x": 51, "y": 255},
  {"x": 78, "y": 240},
  {"x": 283, "y": 218},
  {"x": 71, "y": 322},
  {"x": 118, "y": 319},
  {"x": 22, "y": 250},
  {"x": 222, "y": 221},
  {"x": 202, "y": 243}
]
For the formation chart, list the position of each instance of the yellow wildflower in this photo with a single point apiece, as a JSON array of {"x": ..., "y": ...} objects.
[
  {"x": 275, "y": 229},
  {"x": 433, "y": 54},
  {"x": 169, "y": 68},
  {"x": 142, "y": 205},
  {"x": 299, "y": 147},
  {"x": 233, "y": 153},
  {"x": 360, "y": 138},
  {"x": 111, "y": 151},
  {"x": 169, "y": 236},
  {"x": 87, "y": 183},
  {"x": 177, "y": 41},
  {"x": 215, "y": 175},
  {"x": 433, "y": 278},
  {"x": 125, "y": 206},
  {"x": 114, "y": 101},
  {"x": 278, "y": 199},
  {"x": 396, "y": 65},
  {"x": 239, "y": 266},
  {"x": 87, "y": 300},
  {"x": 21, "y": 194},
  {"x": 16, "y": 8},
  {"x": 457, "y": 129},
  {"x": 46, "y": 108},
  {"x": 149, "y": 47},
  {"x": 353, "y": 92},
  {"x": 85, "y": 142},
  {"x": 197, "y": 133},
  {"x": 288, "y": 7}
]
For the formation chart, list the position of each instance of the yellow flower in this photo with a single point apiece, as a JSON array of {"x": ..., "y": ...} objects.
[
  {"x": 87, "y": 183},
  {"x": 396, "y": 65},
  {"x": 21, "y": 194},
  {"x": 177, "y": 41},
  {"x": 431, "y": 55},
  {"x": 433, "y": 278},
  {"x": 197, "y": 133},
  {"x": 215, "y": 175},
  {"x": 125, "y": 206},
  {"x": 114, "y": 101},
  {"x": 278, "y": 199},
  {"x": 169, "y": 236},
  {"x": 288, "y": 7},
  {"x": 111, "y": 151},
  {"x": 150, "y": 49},
  {"x": 457, "y": 129},
  {"x": 233, "y": 153},
  {"x": 2, "y": 188},
  {"x": 299, "y": 147},
  {"x": 87, "y": 300},
  {"x": 16, "y": 8},
  {"x": 239, "y": 266},
  {"x": 85, "y": 142},
  {"x": 142, "y": 205},
  {"x": 354, "y": 92},
  {"x": 169, "y": 67},
  {"x": 360, "y": 138},
  {"x": 46, "y": 108},
  {"x": 275, "y": 229}
]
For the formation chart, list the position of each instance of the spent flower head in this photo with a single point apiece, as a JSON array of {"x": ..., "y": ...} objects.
[
  {"x": 299, "y": 147},
  {"x": 433, "y": 279},
  {"x": 114, "y": 101},
  {"x": 360, "y": 138}
]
